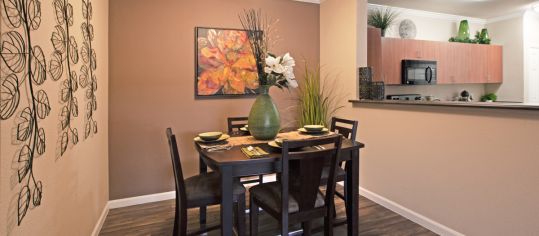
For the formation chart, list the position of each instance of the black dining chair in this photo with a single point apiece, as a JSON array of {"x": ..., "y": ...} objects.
[
  {"x": 234, "y": 126},
  {"x": 348, "y": 129},
  {"x": 200, "y": 191},
  {"x": 296, "y": 197},
  {"x": 236, "y": 123}
]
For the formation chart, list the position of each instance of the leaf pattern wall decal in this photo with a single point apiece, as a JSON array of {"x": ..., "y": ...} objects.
[
  {"x": 65, "y": 56},
  {"x": 87, "y": 78},
  {"x": 24, "y": 69}
]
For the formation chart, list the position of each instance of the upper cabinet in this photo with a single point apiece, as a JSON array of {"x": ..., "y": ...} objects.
[
  {"x": 495, "y": 63},
  {"x": 458, "y": 63},
  {"x": 392, "y": 54},
  {"x": 374, "y": 52}
]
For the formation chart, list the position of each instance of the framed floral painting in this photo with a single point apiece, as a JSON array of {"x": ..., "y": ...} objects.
[{"x": 225, "y": 65}]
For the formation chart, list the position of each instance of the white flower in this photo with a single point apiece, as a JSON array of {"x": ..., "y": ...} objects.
[
  {"x": 292, "y": 83},
  {"x": 288, "y": 60},
  {"x": 272, "y": 61},
  {"x": 289, "y": 73},
  {"x": 282, "y": 68},
  {"x": 279, "y": 69}
]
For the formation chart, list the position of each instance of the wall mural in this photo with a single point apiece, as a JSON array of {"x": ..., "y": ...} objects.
[
  {"x": 24, "y": 69},
  {"x": 88, "y": 78},
  {"x": 63, "y": 59},
  {"x": 23, "y": 63}
]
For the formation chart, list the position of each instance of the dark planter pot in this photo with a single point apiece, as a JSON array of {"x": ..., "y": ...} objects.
[{"x": 264, "y": 121}]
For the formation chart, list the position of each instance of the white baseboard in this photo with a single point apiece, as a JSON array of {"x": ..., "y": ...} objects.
[
  {"x": 409, "y": 214},
  {"x": 124, "y": 202},
  {"x": 399, "y": 209},
  {"x": 101, "y": 220}
]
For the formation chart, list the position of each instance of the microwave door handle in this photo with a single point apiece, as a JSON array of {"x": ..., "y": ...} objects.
[{"x": 428, "y": 74}]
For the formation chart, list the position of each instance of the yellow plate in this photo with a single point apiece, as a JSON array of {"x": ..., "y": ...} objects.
[
  {"x": 244, "y": 129},
  {"x": 222, "y": 138}
]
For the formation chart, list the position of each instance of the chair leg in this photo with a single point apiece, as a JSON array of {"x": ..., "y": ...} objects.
[
  {"x": 240, "y": 215},
  {"x": 253, "y": 215},
  {"x": 202, "y": 216},
  {"x": 328, "y": 226},
  {"x": 284, "y": 228},
  {"x": 334, "y": 210},
  {"x": 182, "y": 230},
  {"x": 307, "y": 225},
  {"x": 260, "y": 179},
  {"x": 345, "y": 190},
  {"x": 176, "y": 222}
]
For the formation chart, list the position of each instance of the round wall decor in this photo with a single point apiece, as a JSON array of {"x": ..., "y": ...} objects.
[{"x": 407, "y": 29}]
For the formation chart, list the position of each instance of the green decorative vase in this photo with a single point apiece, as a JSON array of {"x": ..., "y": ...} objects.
[
  {"x": 464, "y": 30},
  {"x": 484, "y": 37},
  {"x": 264, "y": 121}
]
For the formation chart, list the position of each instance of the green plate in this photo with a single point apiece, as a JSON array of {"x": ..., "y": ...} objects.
[
  {"x": 323, "y": 131},
  {"x": 222, "y": 138}
]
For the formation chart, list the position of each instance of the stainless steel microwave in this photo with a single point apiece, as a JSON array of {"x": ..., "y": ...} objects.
[{"x": 417, "y": 72}]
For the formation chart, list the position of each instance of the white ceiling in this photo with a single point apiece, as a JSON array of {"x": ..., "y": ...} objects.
[{"x": 484, "y": 9}]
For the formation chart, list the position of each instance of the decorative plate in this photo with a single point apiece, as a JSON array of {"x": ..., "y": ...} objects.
[
  {"x": 274, "y": 144},
  {"x": 323, "y": 131},
  {"x": 222, "y": 138},
  {"x": 407, "y": 29}
]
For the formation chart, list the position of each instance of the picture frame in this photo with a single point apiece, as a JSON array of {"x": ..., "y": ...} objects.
[{"x": 224, "y": 64}]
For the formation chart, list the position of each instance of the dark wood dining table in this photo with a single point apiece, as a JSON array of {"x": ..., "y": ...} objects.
[{"x": 233, "y": 164}]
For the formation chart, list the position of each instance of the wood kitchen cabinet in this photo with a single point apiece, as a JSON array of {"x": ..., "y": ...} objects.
[
  {"x": 374, "y": 52},
  {"x": 392, "y": 54},
  {"x": 421, "y": 49},
  {"x": 495, "y": 63},
  {"x": 457, "y": 63}
]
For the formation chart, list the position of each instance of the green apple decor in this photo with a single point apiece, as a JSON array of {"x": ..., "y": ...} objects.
[{"x": 264, "y": 121}]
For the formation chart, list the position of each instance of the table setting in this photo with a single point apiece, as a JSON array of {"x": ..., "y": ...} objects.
[{"x": 219, "y": 141}]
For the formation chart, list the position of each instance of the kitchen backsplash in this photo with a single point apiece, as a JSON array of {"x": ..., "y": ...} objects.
[{"x": 445, "y": 92}]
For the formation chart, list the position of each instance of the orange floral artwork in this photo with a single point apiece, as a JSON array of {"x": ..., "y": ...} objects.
[{"x": 225, "y": 63}]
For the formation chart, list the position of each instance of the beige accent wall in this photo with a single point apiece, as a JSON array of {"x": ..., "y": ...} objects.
[
  {"x": 75, "y": 185},
  {"x": 472, "y": 170},
  {"x": 509, "y": 34},
  {"x": 152, "y": 82}
]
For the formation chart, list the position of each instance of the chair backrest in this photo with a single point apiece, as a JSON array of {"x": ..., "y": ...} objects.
[
  {"x": 349, "y": 131},
  {"x": 235, "y": 123},
  {"x": 302, "y": 170},
  {"x": 177, "y": 168}
]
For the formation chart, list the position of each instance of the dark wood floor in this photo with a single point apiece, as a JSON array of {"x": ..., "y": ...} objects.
[{"x": 157, "y": 219}]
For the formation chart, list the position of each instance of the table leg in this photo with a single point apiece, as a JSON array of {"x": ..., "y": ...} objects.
[
  {"x": 226, "y": 201},
  {"x": 352, "y": 194},
  {"x": 202, "y": 169}
]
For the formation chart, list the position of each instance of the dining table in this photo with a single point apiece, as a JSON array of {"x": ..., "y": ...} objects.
[{"x": 231, "y": 163}]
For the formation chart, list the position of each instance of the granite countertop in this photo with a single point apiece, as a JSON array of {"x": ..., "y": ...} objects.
[{"x": 494, "y": 105}]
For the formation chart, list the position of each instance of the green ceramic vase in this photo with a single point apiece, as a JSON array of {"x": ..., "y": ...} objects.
[
  {"x": 264, "y": 121},
  {"x": 464, "y": 30}
]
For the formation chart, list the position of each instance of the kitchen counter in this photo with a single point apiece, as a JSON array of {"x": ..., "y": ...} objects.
[{"x": 491, "y": 105}]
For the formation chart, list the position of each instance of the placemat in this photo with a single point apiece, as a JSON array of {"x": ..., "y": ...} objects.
[{"x": 294, "y": 135}]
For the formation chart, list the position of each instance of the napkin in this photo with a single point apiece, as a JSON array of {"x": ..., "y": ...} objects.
[
  {"x": 216, "y": 147},
  {"x": 256, "y": 153}
]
